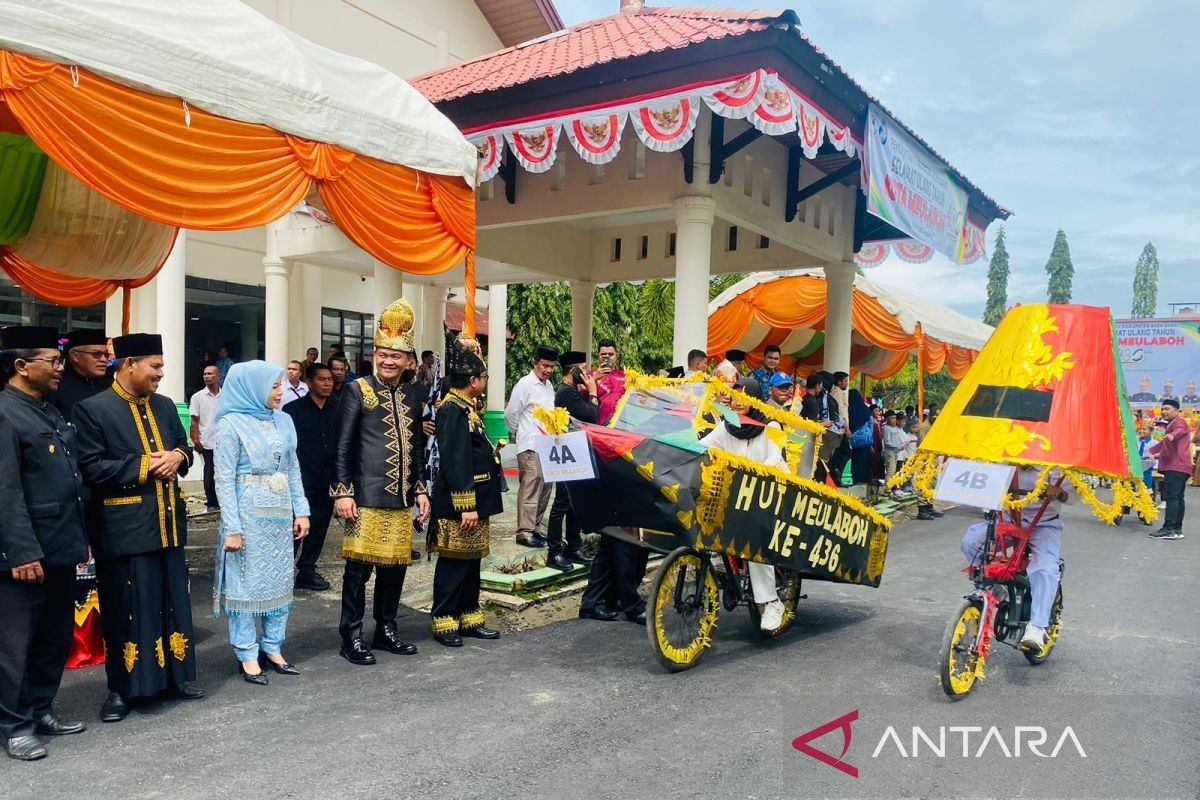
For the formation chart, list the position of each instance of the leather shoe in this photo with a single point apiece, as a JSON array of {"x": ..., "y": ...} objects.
[
  {"x": 258, "y": 678},
  {"x": 313, "y": 581},
  {"x": 531, "y": 539},
  {"x": 283, "y": 669},
  {"x": 599, "y": 612},
  {"x": 188, "y": 691},
  {"x": 559, "y": 562},
  {"x": 925, "y": 516},
  {"x": 640, "y": 619},
  {"x": 25, "y": 748},
  {"x": 578, "y": 557},
  {"x": 357, "y": 652},
  {"x": 387, "y": 639},
  {"x": 114, "y": 709},
  {"x": 450, "y": 639},
  {"x": 50, "y": 725},
  {"x": 481, "y": 632}
]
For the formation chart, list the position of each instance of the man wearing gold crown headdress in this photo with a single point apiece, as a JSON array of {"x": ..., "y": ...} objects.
[
  {"x": 379, "y": 477},
  {"x": 465, "y": 495}
]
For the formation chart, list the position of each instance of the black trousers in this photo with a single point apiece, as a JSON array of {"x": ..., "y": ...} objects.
[
  {"x": 210, "y": 481},
  {"x": 389, "y": 583},
  {"x": 455, "y": 587},
  {"x": 309, "y": 548},
  {"x": 837, "y": 461},
  {"x": 561, "y": 512},
  {"x": 35, "y": 638},
  {"x": 1173, "y": 486},
  {"x": 616, "y": 575},
  {"x": 146, "y": 617}
]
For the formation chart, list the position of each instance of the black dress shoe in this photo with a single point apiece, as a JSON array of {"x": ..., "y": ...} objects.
[
  {"x": 925, "y": 516},
  {"x": 450, "y": 639},
  {"x": 25, "y": 748},
  {"x": 313, "y": 581},
  {"x": 559, "y": 562},
  {"x": 114, "y": 709},
  {"x": 357, "y": 652},
  {"x": 577, "y": 556},
  {"x": 259, "y": 679},
  {"x": 188, "y": 691},
  {"x": 50, "y": 725},
  {"x": 481, "y": 632},
  {"x": 283, "y": 669},
  {"x": 599, "y": 612},
  {"x": 640, "y": 619},
  {"x": 387, "y": 638}
]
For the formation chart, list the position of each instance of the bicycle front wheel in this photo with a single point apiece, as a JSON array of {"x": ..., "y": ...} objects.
[
  {"x": 683, "y": 610},
  {"x": 960, "y": 665}
]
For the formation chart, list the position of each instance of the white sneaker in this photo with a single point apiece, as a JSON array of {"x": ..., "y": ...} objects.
[
  {"x": 1034, "y": 638},
  {"x": 772, "y": 616},
  {"x": 1162, "y": 506}
]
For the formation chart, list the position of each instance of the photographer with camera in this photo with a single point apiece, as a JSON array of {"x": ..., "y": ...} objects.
[
  {"x": 577, "y": 395},
  {"x": 610, "y": 380}
]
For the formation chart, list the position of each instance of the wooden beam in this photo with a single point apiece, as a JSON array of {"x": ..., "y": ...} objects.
[
  {"x": 790, "y": 203},
  {"x": 860, "y": 217},
  {"x": 797, "y": 195},
  {"x": 508, "y": 174},
  {"x": 720, "y": 150},
  {"x": 688, "y": 152}
]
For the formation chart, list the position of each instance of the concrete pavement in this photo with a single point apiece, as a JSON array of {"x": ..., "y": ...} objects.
[{"x": 581, "y": 709}]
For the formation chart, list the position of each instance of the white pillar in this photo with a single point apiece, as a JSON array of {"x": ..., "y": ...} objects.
[
  {"x": 497, "y": 351},
  {"x": 433, "y": 324},
  {"x": 693, "y": 256},
  {"x": 114, "y": 309},
  {"x": 310, "y": 310},
  {"x": 170, "y": 318},
  {"x": 583, "y": 296},
  {"x": 277, "y": 275},
  {"x": 839, "y": 290}
]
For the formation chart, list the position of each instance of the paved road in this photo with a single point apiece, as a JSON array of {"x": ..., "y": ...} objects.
[{"x": 581, "y": 709}]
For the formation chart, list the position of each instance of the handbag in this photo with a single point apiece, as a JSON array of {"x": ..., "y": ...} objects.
[{"x": 864, "y": 436}]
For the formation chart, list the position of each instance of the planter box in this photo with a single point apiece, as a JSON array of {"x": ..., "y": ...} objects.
[{"x": 529, "y": 581}]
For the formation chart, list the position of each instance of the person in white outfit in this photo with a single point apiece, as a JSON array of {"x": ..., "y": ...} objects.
[{"x": 751, "y": 441}]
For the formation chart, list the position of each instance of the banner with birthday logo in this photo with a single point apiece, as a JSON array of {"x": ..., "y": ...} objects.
[{"x": 1161, "y": 359}]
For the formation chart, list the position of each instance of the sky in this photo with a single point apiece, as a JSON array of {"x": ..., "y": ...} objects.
[{"x": 1075, "y": 115}]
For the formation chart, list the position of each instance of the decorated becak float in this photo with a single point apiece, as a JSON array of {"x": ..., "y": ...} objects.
[{"x": 721, "y": 483}]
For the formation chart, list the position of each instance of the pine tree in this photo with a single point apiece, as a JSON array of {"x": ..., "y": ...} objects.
[
  {"x": 997, "y": 286},
  {"x": 1145, "y": 283},
  {"x": 1060, "y": 270}
]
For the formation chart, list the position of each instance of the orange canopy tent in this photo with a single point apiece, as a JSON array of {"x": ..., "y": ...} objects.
[
  {"x": 99, "y": 173},
  {"x": 889, "y": 326}
]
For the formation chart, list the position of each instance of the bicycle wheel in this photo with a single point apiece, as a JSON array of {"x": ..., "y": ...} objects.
[
  {"x": 681, "y": 619},
  {"x": 960, "y": 665},
  {"x": 1051, "y": 633},
  {"x": 787, "y": 586}
]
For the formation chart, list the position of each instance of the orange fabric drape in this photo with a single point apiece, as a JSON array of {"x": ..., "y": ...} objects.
[
  {"x": 186, "y": 167},
  {"x": 64, "y": 290},
  {"x": 798, "y": 301}
]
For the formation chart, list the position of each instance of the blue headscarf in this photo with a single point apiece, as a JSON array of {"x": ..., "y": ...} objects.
[{"x": 246, "y": 389}]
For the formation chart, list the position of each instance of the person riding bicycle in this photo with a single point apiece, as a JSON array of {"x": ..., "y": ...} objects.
[
  {"x": 1045, "y": 548},
  {"x": 749, "y": 441}
]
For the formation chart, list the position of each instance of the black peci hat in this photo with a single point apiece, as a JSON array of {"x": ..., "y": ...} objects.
[
  {"x": 572, "y": 358},
  {"x": 545, "y": 352},
  {"x": 85, "y": 337},
  {"x": 28, "y": 337},
  {"x": 136, "y": 345},
  {"x": 735, "y": 355}
]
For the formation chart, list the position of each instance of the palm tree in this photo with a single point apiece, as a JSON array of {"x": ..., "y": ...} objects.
[{"x": 656, "y": 307}]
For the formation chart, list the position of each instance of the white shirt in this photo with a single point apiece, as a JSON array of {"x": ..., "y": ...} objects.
[
  {"x": 291, "y": 393},
  {"x": 203, "y": 406},
  {"x": 760, "y": 449},
  {"x": 528, "y": 394}
]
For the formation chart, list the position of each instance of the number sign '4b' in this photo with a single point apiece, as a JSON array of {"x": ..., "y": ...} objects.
[
  {"x": 565, "y": 458},
  {"x": 974, "y": 483}
]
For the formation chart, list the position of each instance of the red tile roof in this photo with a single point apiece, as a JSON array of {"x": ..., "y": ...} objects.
[
  {"x": 456, "y": 313},
  {"x": 627, "y": 35}
]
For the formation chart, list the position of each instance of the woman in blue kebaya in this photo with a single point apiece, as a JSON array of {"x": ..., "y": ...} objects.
[{"x": 263, "y": 510}]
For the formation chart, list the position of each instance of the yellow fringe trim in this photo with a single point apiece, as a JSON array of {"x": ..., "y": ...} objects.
[
  {"x": 555, "y": 421},
  {"x": 444, "y": 624},
  {"x": 463, "y": 501},
  {"x": 471, "y": 620}
]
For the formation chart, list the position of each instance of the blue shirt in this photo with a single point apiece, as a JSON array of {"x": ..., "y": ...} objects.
[{"x": 763, "y": 376}]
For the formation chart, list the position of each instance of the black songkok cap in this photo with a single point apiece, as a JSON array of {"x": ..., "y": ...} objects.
[
  {"x": 675, "y": 372},
  {"x": 28, "y": 337},
  {"x": 572, "y": 358},
  {"x": 545, "y": 352},
  {"x": 464, "y": 358},
  {"x": 1170, "y": 401},
  {"x": 735, "y": 355},
  {"x": 85, "y": 337},
  {"x": 136, "y": 345}
]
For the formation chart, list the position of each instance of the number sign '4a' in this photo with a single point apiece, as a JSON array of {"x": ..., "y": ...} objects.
[
  {"x": 974, "y": 483},
  {"x": 565, "y": 458}
]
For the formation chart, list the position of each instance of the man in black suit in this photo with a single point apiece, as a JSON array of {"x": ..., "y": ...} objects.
[
  {"x": 582, "y": 408},
  {"x": 315, "y": 417},
  {"x": 42, "y": 538}
]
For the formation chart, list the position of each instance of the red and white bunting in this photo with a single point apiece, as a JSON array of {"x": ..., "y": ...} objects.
[
  {"x": 597, "y": 139},
  {"x": 776, "y": 114},
  {"x": 738, "y": 99},
  {"x": 666, "y": 126},
  {"x": 490, "y": 154},
  {"x": 536, "y": 147},
  {"x": 873, "y": 254}
]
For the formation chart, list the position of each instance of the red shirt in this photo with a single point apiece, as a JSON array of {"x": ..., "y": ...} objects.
[
  {"x": 609, "y": 391},
  {"x": 1176, "y": 455}
]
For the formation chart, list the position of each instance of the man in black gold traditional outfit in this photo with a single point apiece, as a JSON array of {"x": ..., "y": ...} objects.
[
  {"x": 132, "y": 449},
  {"x": 379, "y": 477},
  {"x": 466, "y": 494}
]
